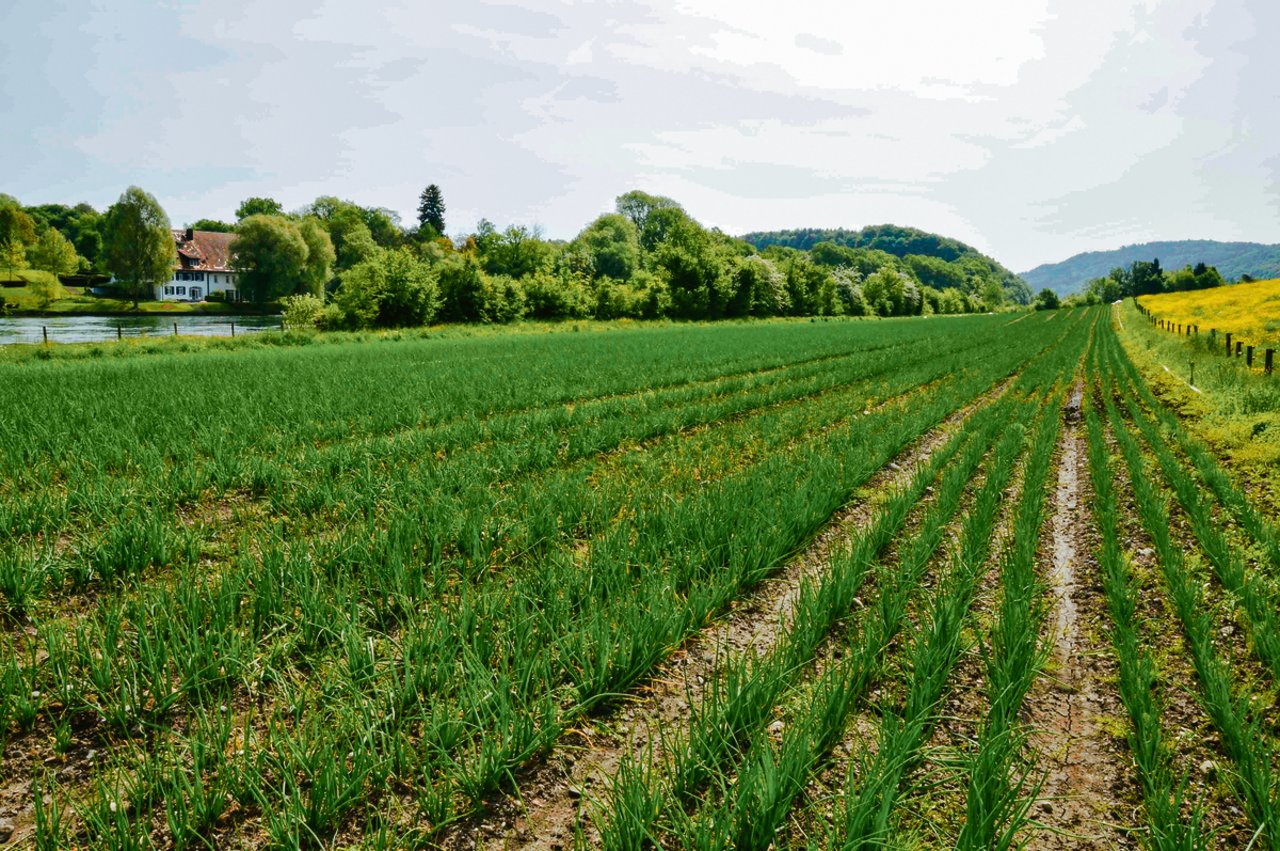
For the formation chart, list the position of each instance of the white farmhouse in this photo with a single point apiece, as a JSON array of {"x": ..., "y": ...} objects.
[{"x": 204, "y": 267}]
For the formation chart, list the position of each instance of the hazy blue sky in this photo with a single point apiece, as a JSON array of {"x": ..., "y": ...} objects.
[{"x": 1032, "y": 129}]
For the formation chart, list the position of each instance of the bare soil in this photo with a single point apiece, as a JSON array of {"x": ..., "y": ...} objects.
[{"x": 1088, "y": 798}]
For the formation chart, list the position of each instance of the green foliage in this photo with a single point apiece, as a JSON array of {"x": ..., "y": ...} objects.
[
  {"x": 548, "y": 296},
  {"x": 301, "y": 311},
  {"x": 258, "y": 207},
  {"x": 638, "y": 206},
  {"x": 139, "y": 243},
  {"x": 15, "y": 224},
  {"x": 212, "y": 225},
  {"x": 44, "y": 286},
  {"x": 320, "y": 256},
  {"x": 517, "y": 251},
  {"x": 612, "y": 242},
  {"x": 13, "y": 256},
  {"x": 1047, "y": 300},
  {"x": 393, "y": 289},
  {"x": 81, "y": 224},
  {"x": 53, "y": 253},
  {"x": 271, "y": 256}
]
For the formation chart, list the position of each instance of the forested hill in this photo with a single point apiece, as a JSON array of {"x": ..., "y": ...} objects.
[
  {"x": 912, "y": 245},
  {"x": 1232, "y": 259}
]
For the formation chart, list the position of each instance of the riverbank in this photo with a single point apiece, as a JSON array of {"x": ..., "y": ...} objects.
[
  {"x": 75, "y": 301},
  {"x": 111, "y": 307}
]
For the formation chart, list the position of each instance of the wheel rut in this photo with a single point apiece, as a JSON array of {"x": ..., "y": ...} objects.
[{"x": 1088, "y": 795}]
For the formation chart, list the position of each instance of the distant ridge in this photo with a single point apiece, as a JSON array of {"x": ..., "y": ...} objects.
[{"x": 1232, "y": 259}]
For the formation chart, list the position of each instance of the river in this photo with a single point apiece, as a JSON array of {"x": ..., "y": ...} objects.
[{"x": 92, "y": 329}]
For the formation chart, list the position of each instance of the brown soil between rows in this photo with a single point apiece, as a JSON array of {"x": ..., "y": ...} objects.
[
  {"x": 932, "y": 816},
  {"x": 1189, "y": 733},
  {"x": 1089, "y": 796},
  {"x": 555, "y": 795},
  {"x": 816, "y": 808}
]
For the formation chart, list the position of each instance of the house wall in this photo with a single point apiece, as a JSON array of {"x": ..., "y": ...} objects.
[{"x": 180, "y": 287}]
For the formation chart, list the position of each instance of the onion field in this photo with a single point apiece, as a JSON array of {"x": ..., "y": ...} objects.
[{"x": 923, "y": 583}]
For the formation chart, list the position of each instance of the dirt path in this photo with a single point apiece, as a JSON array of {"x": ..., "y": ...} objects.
[
  {"x": 1088, "y": 794},
  {"x": 557, "y": 793}
]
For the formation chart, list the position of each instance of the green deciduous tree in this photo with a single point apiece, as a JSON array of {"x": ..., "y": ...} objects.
[
  {"x": 431, "y": 211},
  {"x": 613, "y": 244},
  {"x": 258, "y": 207},
  {"x": 13, "y": 256},
  {"x": 638, "y": 206},
  {"x": 15, "y": 224},
  {"x": 212, "y": 225},
  {"x": 1047, "y": 299},
  {"x": 320, "y": 256},
  {"x": 271, "y": 255},
  {"x": 139, "y": 243},
  {"x": 393, "y": 289},
  {"x": 53, "y": 253}
]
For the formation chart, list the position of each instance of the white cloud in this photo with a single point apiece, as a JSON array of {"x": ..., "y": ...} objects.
[{"x": 1033, "y": 129}]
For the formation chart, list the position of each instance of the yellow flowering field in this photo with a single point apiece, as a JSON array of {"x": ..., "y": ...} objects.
[{"x": 1249, "y": 311}]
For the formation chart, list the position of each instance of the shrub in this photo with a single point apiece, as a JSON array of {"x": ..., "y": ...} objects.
[{"x": 302, "y": 311}]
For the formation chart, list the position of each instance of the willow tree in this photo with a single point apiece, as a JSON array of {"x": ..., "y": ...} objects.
[{"x": 139, "y": 243}]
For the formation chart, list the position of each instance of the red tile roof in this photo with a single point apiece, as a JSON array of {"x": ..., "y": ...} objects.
[{"x": 203, "y": 250}]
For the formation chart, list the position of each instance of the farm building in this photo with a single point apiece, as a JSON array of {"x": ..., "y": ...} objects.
[{"x": 203, "y": 267}]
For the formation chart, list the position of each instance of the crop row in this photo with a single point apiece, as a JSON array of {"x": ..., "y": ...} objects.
[{"x": 356, "y": 674}]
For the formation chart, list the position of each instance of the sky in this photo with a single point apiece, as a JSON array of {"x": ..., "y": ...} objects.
[{"x": 1031, "y": 129}]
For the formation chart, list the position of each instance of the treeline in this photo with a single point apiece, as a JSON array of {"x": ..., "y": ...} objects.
[
  {"x": 337, "y": 264},
  {"x": 934, "y": 260},
  {"x": 1143, "y": 277}
]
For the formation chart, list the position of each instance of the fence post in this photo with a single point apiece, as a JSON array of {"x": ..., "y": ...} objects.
[
  {"x": 1239, "y": 346},
  {"x": 233, "y": 330},
  {"x": 1267, "y": 360},
  {"x": 1248, "y": 355},
  {"x": 45, "y": 332},
  {"x": 175, "y": 329},
  {"x": 1228, "y": 344},
  {"x": 119, "y": 332}
]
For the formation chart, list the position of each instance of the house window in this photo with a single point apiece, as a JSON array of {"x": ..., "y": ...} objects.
[
  {"x": 182, "y": 290},
  {"x": 168, "y": 290}
]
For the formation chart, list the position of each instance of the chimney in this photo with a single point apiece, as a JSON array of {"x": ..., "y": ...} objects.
[{"x": 191, "y": 234}]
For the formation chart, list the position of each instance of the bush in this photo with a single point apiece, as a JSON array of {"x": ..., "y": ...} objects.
[
  {"x": 302, "y": 311},
  {"x": 549, "y": 296},
  {"x": 391, "y": 289}
]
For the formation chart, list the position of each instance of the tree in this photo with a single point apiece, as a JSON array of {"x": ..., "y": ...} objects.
[
  {"x": 258, "y": 207},
  {"x": 613, "y": 241},
  {"x": 139, "y": 243},
  {"x": 1145, "y": 278},
  {"x": 431, "y": 210},
  {"x": 320, "y": 256},
  {"x": 13, "y": 256},
  {"x": 1047, "y": 300},
  {"x": 270, "y": 254},
  {"x": 517, "y": 251},
  {"x": 15, "y": 224},
  {"x": 212, "y": 225},
  {"x": 54, "y": 253},
  {"x": 638, "y": 206},
  {"x": 391, "y": 290}
]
